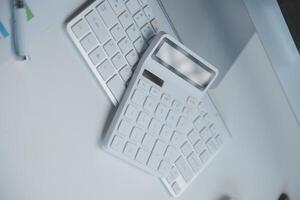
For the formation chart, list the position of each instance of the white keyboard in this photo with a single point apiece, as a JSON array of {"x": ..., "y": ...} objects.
[
  {"x": 169, "y": 138},
  {"x": 111, "y": 35}
]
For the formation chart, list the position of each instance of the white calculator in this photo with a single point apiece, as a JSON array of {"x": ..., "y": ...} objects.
[{"x": 161, "y": 124}]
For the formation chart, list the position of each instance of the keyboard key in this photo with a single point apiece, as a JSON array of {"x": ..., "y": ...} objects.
[
  {"x": 166, "y": 133},
  {"x": 190, "y": 113},
  {"x": 137, "y": 135},
  {"x": 154, "y": 161},
  {"x": 116, "y": 86},
  {"x": 150, "y": 105},
  {"x": 125, "y": 73},
  {"x": 98, "y": 26},
  {"x": 117, "y": 32},
  {"x": 143, "y": 85},
  {"x": 97, "y": 55},
  {"x": 184, "y": 126},
  {"x": 199, "y": 123},
  {"x": 138, "y": 97},
  {"x": 161, "y": 112},
  {"x": 171, "y": 154},
  {"x": 176, "y": 188},
  {"x": 192, "y": 101},
  {"x": 159, "y": 148},
  {"x": 131, "y": 112},
  {"x": 147, "y": 31},
  {"x": 117, "y": 5},
  {"x": 186, "y": 149},
  {"x": 184, "y": 169},
  {"x": 193, "y": 137},
  {"x": 132, "y": 58},
  {"x": 205, "y": 134},
  {"x": 140, "y": 45},
  {"x": 107, "y": 14},
  {"x": 106, "y": 70},
  {"x": 143, "y": 2},
  {"x": 148, "y": 142},
  {"x": 166, "y": 100},
  {"x": 194, "y": 162},
  {"x": 89, "y": 42},
  {"x": 212, "y": 146},
  {"x": 164, "y": 168},
  {"x": 204, "y": 156},
  {"x": 172, "y": 175},
  {"x": 119, "y": 61},
  {"x": 133, "y": 6},
  {"x": 155, "y": 93},
  {"x": 118, "y": 143},
  {"x": 124, "y": 128},
  {"x": 177, "y": 139},
  {"x": 154, "y": 127},
  {"x": 125, "y": 19},
  {"x": 219, "y": 140},
  {"x": 80, "y": 28},
  {"x": 142, "y": 156},
  {"x": 130, "y": 150},
  {"x": 143, "y": 120},
  {"x": 110, "y": 48},
  {"x": 155, "y": 25},
  {"x": 133, "y": 33},
  {"x": 177, "y": 106},
  {"x": 140, "y": 19},
  {"x": 200, "y": 146},
  {"x": 148, "y": 12},
  {"x": 125, "y": 45},
  {"x": 172, "y": 119},
  {"x": 207, "y": 119}
]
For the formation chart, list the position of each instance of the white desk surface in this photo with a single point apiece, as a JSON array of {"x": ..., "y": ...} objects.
[{"x": 53, "y": 112}]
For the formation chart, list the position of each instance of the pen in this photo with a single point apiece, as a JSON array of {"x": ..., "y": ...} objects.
[{"x": 19, "y": 23}]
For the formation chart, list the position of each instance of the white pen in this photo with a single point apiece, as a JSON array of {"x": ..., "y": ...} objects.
[{"x": 19, "y": 27}]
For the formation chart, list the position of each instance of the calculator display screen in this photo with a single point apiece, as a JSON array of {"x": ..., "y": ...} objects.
[{"x": 183, "y": 64}]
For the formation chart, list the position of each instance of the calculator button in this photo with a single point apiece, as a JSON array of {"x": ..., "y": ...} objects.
[
  {"x": 143, "y": 85},
  {"x": 132, "y": 58},
  {"x": 124, "y": 128},
  {"x": 143, "y": 119},
  {"x": 130, "y": 150},
  {"x": 131, "y": 112},
  {"x": 148, "y": 142},
  {"x": 116, "y": 86},
  {"x": 193, "y": 137},
  {"x": 171, "y": 154},
  {"x": 154, "y": 127},
  {"x": 155, "y": 93},
  {"x": 194, "y": 162},
  {"x": 110, "y": 48},
  {"x": 140, "y": 18},
  {"x": 117, "y": 5},
  {"x": 125, "y": 19},
  {"x": 142, "y": 156},
  {"x": 172, "y": 175},
  {"x": 97, "y": 55},
  {"x": 172, "y": 118},
  {"x": 125, "y": 45},
  {"x": 125, "y": 73},
  {"x": 138, "y": 97},
  {"x": 147, "y": 31},
  {"x": 184, "y": 169},
  {"x": 107, "y": 14},
  {"x": 117, "y": 32},
  {"x": 119, "y": 61},
  {"x": 199, "y": 123},
  {"x": 164, "y": 168},
  {"x": 166, "y": 99},
  {"x": 186, "y": 149},
  {"x": 137, "y": 135},
  {"x": 133, "y": 33},
  {"x": 117, "y": 143},
  {"x": 133, "y": 6},
  {"x": 166, "y": 133},
  {"x": 149, "y": 105},
  {"x": 98, "y": 26},
  {"x": 106, "y": 70},
  {"x": 161, "y": 112},
  {"x": 80, "y": 28},
  {"x": 88, "y": 42}
]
